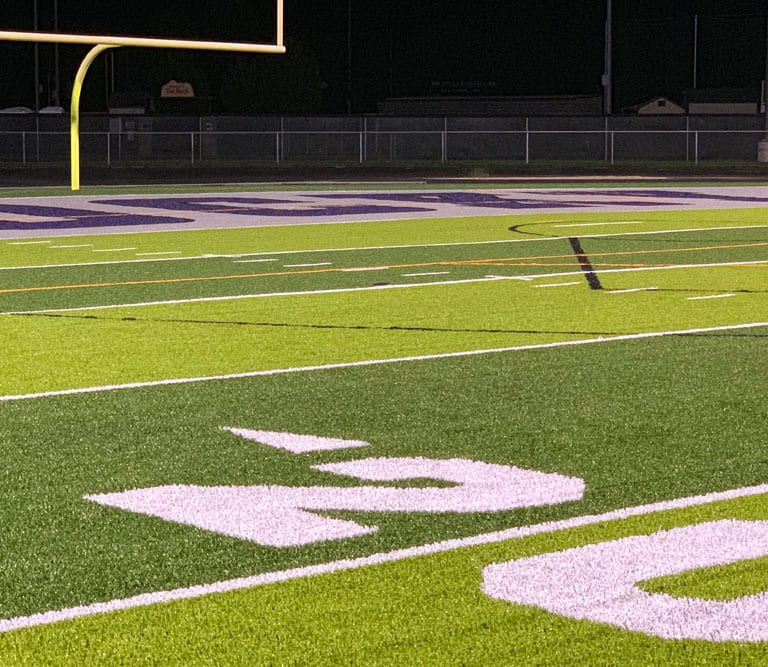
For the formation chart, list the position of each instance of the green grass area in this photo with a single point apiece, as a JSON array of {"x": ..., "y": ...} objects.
[
  {"x": 612, "y": 414},
  {"x": 640, "y": 421},
  {"x": 397, "y": 182},
  {"x": 428, "y": 611}
]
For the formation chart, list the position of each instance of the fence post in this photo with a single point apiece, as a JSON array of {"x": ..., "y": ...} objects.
[
  {"x": 277, "y": 147},
  {"x": 527, "y": 142},
  {"x": 109, "y": 147},
  {"x": 605, "y": 140},
  {"x": 444, "y": 142},
  {"x": 696, "y": 147},
  {"x": 199, "y": 138},
  {"x": 24, "y": 148},
  {"x": 192, "y": 145},
  {"x": 613, "y": 146}
]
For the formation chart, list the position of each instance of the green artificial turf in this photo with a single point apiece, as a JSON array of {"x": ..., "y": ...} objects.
[
  {"x": 426, "y": 611},
  {"x": 639, "y": 420}
]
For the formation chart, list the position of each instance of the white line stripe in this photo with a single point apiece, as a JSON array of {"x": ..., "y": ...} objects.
[
  {"x": 79, "y": 245},
  {"x": 264, "y": 295},
  {"x": 441, "y": 283},
  {"x": 156, "y": 254},
  {"x": 378, "y": 362},
  {"x": 426, "y": 273},
  {"x": 543, "y": 239},
  {"x": 630, "y": 291},
  {"x": 559, "y": 284},
  {"x": 600, "y": 224},
  {"x": 27, "y": 242},
  {"x": 711, "y": 296},
  {"x": 200, "y": 590},
  {"x": 113, "y": 249},
  {"x": 301, "y": 266},
  {"x": 252, "y": 261}
]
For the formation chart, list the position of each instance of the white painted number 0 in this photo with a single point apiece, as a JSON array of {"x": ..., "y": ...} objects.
[{"x": 598, "y": 582}]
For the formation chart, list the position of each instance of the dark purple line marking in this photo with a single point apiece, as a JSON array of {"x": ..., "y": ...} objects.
[
  {"x": 57, "y": 217},
  {"x": 260, "y": 206},
  {"x": 586, "y": 266}
]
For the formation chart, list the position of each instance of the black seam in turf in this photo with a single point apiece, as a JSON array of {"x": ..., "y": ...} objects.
[
  {"x": 586, "y": 266},
  {"x": 359, "y": 327}
]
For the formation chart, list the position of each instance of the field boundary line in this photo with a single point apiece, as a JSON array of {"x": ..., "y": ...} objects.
[
  {"x": 242, "y": 583},
  {"x": 341, "y": 290},
  {"x": 379, "y": 362},
  {"x": 364, "y": 248}
]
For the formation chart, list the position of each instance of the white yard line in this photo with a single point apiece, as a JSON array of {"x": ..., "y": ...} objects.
[
  {"x": 253, "y": 261},
  {"x": 157, "y": 254},
  {"x": 385, "y": 247},
  {"x": 601, "y": 224},
  {"x": 577, "y": 282},
  {"x": 425, "y": 273},
  {"x": 440, "y": 283},
  {"x": 710, "y": 296},
  {"x": 631, "y": 291},
  {"x": 379, "y": 362},
  {"x": 200, "y": 590},
  {"x": 113, "y": 249}
]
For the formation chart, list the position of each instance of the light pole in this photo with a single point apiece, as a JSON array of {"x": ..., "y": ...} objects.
[
  {"x": 56, "y": 82},
  {"x": 37, "y": 60},
  {"x": 695, "y": 51},
  {"x": 349, "y": 57},
  {"x": 608, "y": 73},
  {"x": 762, "y": 146}
]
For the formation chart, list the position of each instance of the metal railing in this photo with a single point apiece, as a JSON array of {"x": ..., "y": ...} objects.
[{"x": 368, "y": 146}]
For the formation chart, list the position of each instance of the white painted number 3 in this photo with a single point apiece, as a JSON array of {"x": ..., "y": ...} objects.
[
  {"x": 598, "y": 582},
  {"x": 283, "y": 516}
]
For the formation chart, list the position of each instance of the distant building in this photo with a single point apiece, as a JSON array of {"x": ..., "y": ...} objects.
[
  {"x": 723, "y": 101},
  {"x": 656, "y": 107},
  {"x": 458, "y": 106}
]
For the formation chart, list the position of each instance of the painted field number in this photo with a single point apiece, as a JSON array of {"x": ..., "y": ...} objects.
[{"x": 598, "y": 582}]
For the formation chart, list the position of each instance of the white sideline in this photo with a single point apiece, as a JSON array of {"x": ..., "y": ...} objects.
[
  {"x": 382, "y": 247},
  {"x": 341, "y": 290},
  {"x": 189, "y": 592},
  {"x": 378, "y": 362}
]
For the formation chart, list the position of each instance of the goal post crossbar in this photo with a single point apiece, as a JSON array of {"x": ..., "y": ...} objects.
[
  {"x": 100, "y": 43},
  {"x": 145, "y": 42}
]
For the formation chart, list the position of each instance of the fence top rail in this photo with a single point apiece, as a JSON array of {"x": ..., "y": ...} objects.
[{"x": 356, "y": 133}]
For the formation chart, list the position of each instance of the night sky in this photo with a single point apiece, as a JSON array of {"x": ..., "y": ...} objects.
[{"x": 400, "y": 48}]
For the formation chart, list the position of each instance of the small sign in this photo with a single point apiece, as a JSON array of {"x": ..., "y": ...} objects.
[{"x": 177, "y": 89}]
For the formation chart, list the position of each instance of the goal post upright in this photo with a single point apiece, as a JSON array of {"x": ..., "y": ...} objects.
[{"x": 100, "y": 43}]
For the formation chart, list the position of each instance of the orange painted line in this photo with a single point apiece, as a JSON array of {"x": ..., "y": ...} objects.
[
  {"x": 170, "y": 281},
  {"x": 508, "y": 262},
  {"x": 615, "y": 254},
  {"x": 163, "y": 281}
]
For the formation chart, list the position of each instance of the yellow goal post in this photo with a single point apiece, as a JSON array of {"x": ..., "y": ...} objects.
[{"x": 100, "y": 43}]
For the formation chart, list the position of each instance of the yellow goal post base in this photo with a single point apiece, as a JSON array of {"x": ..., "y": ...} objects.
[{"x": 101, "y": 43}]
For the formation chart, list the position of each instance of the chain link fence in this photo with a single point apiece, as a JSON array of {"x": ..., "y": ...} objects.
[{"x": 30, "y": 138}]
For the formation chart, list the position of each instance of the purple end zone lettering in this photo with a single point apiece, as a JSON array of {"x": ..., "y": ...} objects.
[
  {"x": 57, "y": 217},
  {"x": 261, "y": 206},
  {"x": 470, "y": 199},
  {"x": 662, "y": 194}
]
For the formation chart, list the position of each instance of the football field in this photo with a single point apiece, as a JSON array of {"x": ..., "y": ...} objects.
[{"x": 393, "y": 424}]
